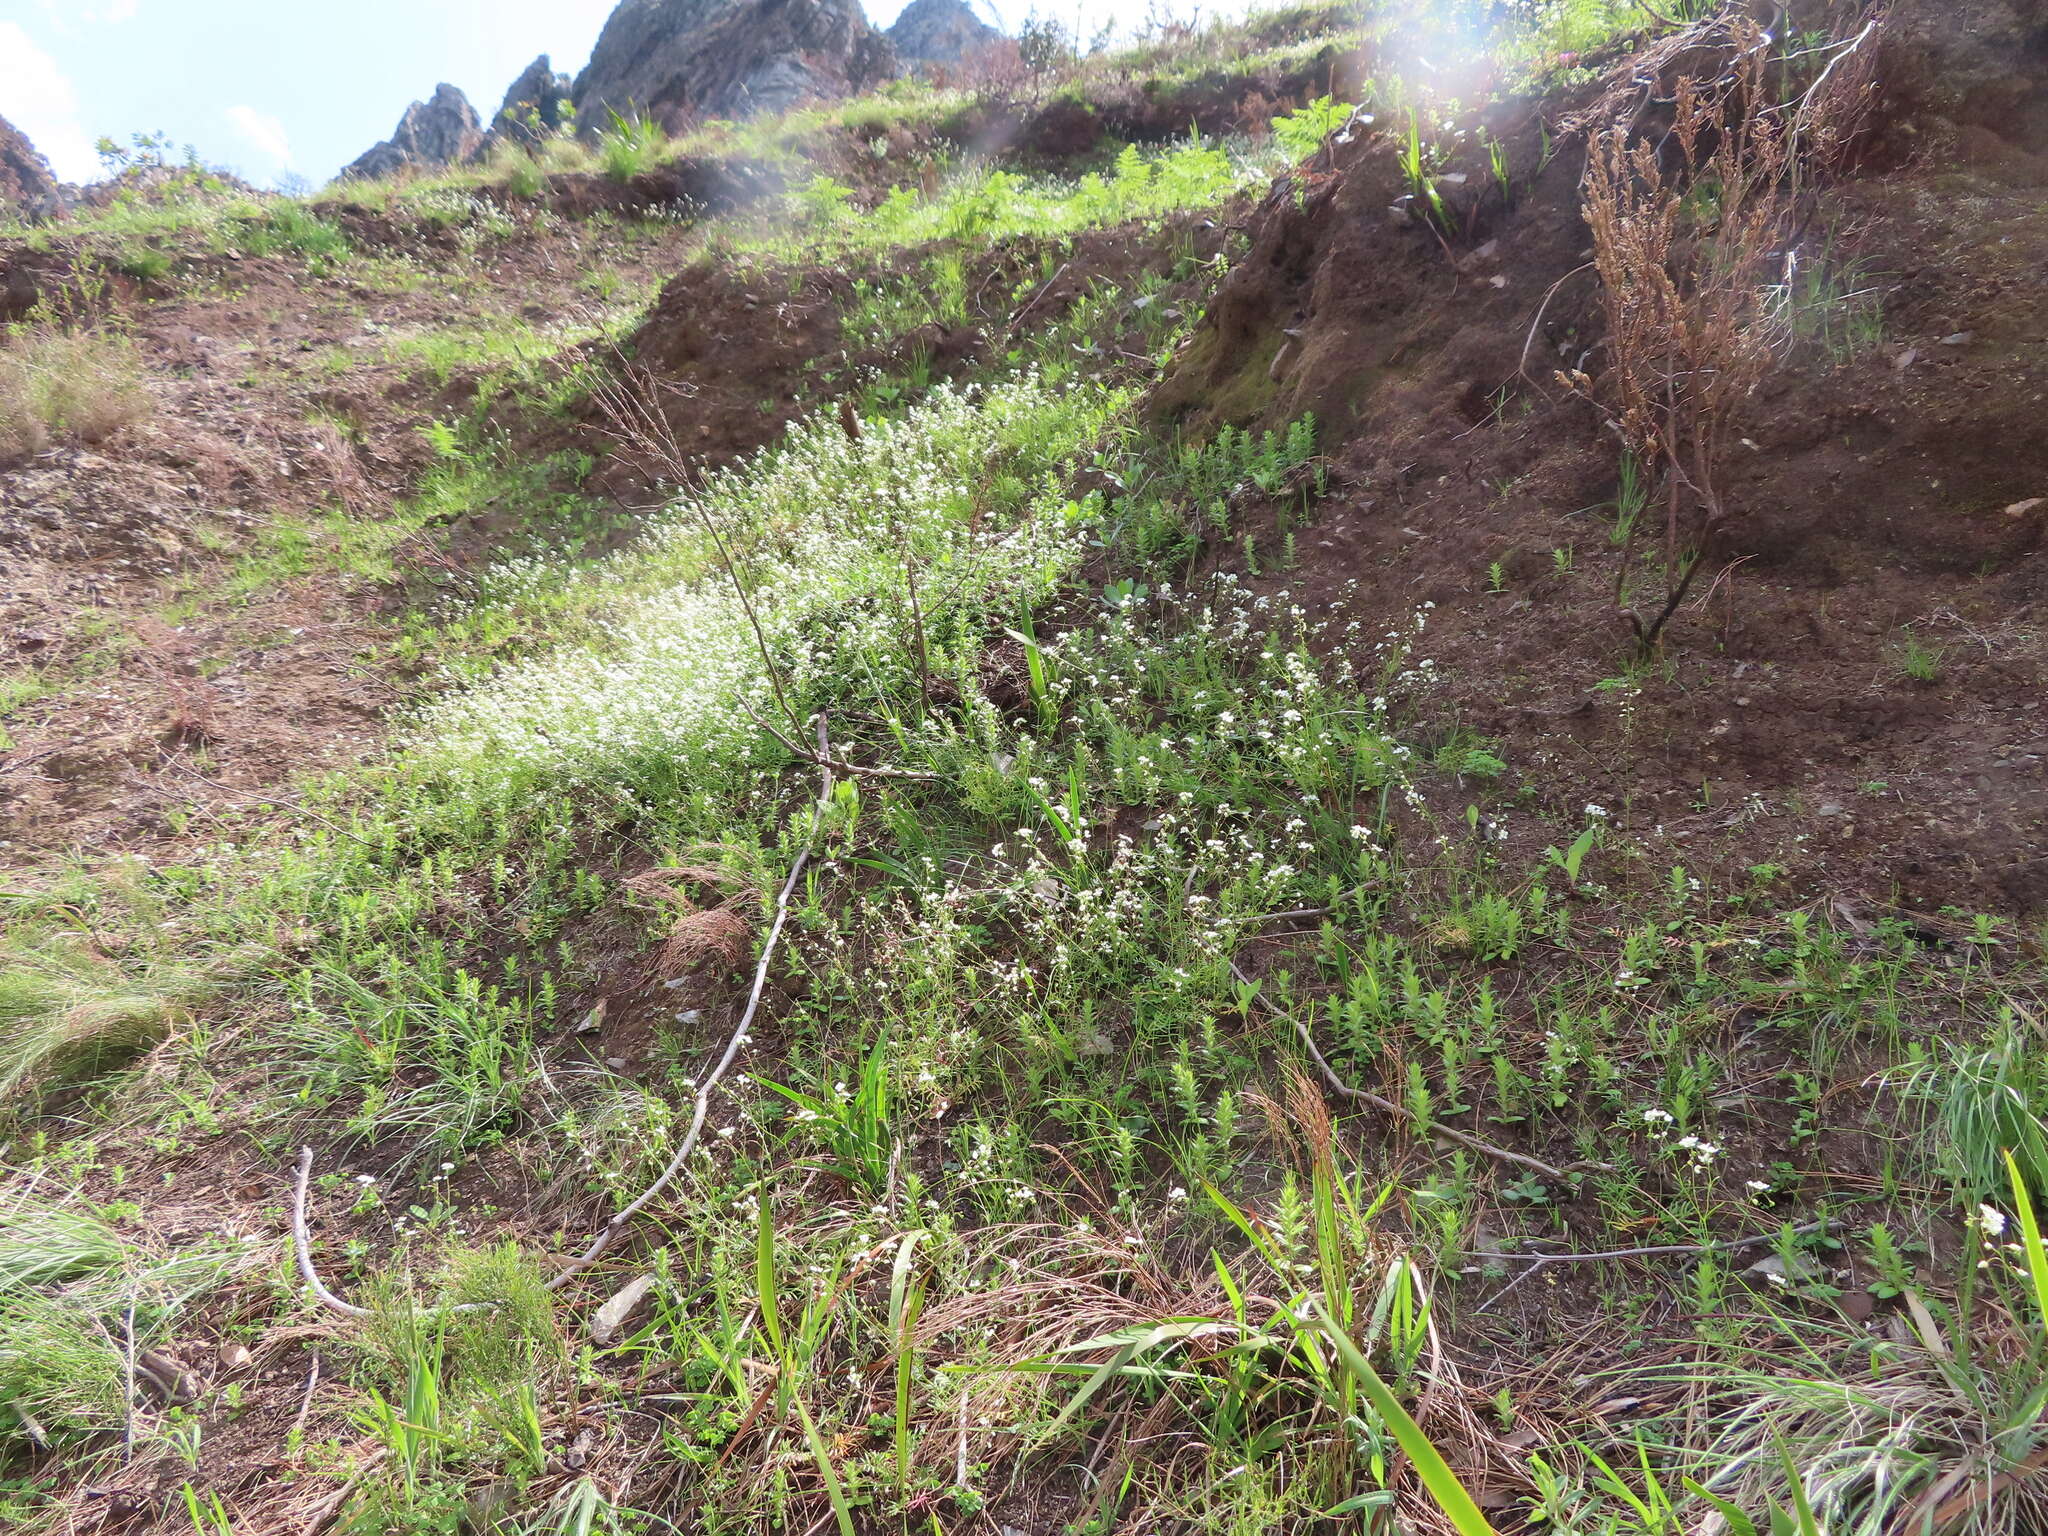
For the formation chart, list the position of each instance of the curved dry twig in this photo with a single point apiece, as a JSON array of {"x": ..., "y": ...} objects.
[
  {"x": 612, "y": 1228},
  {"x": 1529, "y": 341},
  {"x": 573, "y": 1267},
  {"x": 1400, "y": 1112},
  {"x": 302, "y": 1247},
  {"x": 836, "y": 764},
  {"x": 1537, "y": 1261}
]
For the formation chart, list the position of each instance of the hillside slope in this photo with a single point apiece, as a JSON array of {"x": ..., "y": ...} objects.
[{"x": 1287, "y": 782}]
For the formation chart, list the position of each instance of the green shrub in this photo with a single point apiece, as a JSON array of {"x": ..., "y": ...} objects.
[
  {"x": 525, "y": 179},
  {"x": 293, "y": 227},
  {"x": 145, "y": 263},
  {"x": 630, "y": 147},
  {"x": 1302, "y": 133}
]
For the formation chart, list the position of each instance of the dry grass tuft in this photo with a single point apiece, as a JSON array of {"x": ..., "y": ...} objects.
[
  {"x": 337, "y": 456},
  {"x": 67, "y": 1015},
  {"x": 58, "y": 385},
  {"x": 698, "y": 932}
]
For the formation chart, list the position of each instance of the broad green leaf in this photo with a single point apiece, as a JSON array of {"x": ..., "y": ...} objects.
[{"x": 1443, "y": 1485}]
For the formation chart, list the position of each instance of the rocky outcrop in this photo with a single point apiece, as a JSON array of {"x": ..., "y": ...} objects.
[
  {"x": 535, "y": 107},
  {"x": 940, "y": 32},
  {"x": 441, "y": 131},
  {"x": 675, "y": 62},
  {"x": 26, "y": 180}
]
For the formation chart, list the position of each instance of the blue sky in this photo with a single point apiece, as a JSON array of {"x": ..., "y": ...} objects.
[{"x": 270, "y": 87}]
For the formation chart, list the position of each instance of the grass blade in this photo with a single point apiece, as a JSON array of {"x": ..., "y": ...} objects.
[
  {"x": 905, "y": 1364},
  {"x": 764, "y": 1277},
  {"x": 2037, "y": 1257},
  {"x": 1449, "y": 1494},
  {"x": 841, "y": 1510}
]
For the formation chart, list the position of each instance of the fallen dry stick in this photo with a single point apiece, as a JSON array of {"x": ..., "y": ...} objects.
[
  {"x": 1537, "y": 1261},
  {"x": 1400, "y": 1112},
  {"x": 611, "y": 1229}
]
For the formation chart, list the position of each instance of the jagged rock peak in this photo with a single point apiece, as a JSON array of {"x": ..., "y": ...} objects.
[
  {"x": 439, "y": 131},
  {"x": 680, "y": 61},
  {"x": 26, "y": 180},
  {"x": 535, "y": 105},
  {"x": 940, "y": 32}
]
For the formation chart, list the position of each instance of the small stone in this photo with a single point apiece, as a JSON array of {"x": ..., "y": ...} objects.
[
  {"x": 612, "y": 1316},
  {"x": 1801, "y": 1267}
]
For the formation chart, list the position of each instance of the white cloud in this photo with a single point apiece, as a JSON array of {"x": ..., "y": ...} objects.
[
  {"x": 263, "y": 132},
  {"x": 38, "y": 99},
  {"x": 68, "y": 13}
]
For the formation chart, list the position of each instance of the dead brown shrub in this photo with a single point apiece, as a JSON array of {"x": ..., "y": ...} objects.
[
  {"x": 1685, "y": 233},
  {"x": 1690, "y": 229},
  {"x": 1838, "y": 118},
  {"x": 22, "y": 428},
  {"x": 337, "y": 456}
]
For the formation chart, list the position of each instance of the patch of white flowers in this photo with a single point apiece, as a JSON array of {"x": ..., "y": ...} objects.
[{"x": 825, "y": 524}]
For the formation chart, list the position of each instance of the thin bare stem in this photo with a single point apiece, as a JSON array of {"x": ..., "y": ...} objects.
[
  {"x": 612, "y": 1228},
  {"x": 1537, "y": 1261},
  {"x": 836, "y": 764},
  {"x": 632, "y": 421}
]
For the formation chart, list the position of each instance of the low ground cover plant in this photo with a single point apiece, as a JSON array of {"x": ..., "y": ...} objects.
[{"x": 909, "y": 983}]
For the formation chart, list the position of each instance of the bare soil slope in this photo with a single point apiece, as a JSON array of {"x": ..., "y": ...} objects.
[
  {"x": 1890, "y": 507},
  {"x": 176, "y": 585}
]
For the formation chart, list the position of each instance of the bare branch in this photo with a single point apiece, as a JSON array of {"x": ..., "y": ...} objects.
[
  {"x": 1537, "y": 1261},
  {"x": 609, "y": 1232},
  {"x": 836, "y": 764},
  {"x": 612, "y": 1228},
  {"x": 633, "y": 421},
  {"x": 1400, "y": 1112},
  {"x": 302, "y": 1245}
]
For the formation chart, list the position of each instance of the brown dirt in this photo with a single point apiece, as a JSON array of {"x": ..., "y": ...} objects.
[
  {"x": 1070, "y": 130},
  {"x": 275, "y": 401},
  {"x": 742, "y": 351},
  {"x": 685, "y": 187},
  {"x": 1876, "y": 495}
]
